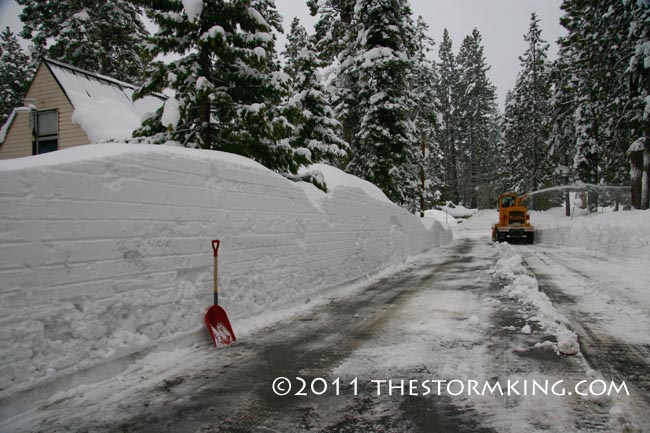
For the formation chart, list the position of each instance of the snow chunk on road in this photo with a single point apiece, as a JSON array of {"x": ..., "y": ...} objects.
[
  {"x": 525, "y": 288},
  {"x": 567, "y": 342}
]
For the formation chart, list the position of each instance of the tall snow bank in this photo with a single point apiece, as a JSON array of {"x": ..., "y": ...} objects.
[
  {"x": 105, "y": 249},
  {"x": 623, "y": 233}
]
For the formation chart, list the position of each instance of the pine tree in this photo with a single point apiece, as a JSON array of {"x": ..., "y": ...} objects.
[
  {"x": 227, "y": 82},
  {"x": 297, "y": 41},
  {"x": 562, "y": 132},
  {"x": 597, "y": 47},
  {"x": 527, "y": 118},
  {"x": 15, "y": 74},
  {"x": 638, "y": 115},
  {"x": 107, "y": 37},
  {"x": 476, "y": 112},
  {"x": 384, "y": 146},
  {"x": 424, "y": 77},
  {"x": 314, "y": 128},
  {"x": 334, "y": 26},
  {"x": 446, "y": 87}
]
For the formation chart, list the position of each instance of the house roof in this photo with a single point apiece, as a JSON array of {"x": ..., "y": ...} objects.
[
  {"x": 5, "y": 128},
  {"x": 103, "y": 106}
]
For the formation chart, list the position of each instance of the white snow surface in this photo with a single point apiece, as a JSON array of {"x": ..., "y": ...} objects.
[
  {"x": 193, "y": 9},
  {"x": 104, "y": 107},
  {"x": 624, "y": 233},
  {"x": 336, "y": 178},
  {"x": 524, "y": 287},
  {"x": 105, "y": 249},
  {"x": 458, "y": 210},
  {"x": 171, "y": 114},
  {"x": 442, "y": 216}
]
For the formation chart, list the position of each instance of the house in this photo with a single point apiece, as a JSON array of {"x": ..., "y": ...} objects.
[{"x": 66, "y": 106}]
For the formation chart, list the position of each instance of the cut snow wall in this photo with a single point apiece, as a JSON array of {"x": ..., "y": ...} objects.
[
  {"x": 105, "y": 249},
  {"x": 624, "y": 233}
]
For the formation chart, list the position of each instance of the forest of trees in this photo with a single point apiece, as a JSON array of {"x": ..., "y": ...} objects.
[{"x": 369, "y": 91}]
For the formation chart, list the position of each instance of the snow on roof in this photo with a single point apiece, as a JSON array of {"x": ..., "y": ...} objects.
[
  {"x": 103, "y": 106},
  {"x": 5, "y": 128}
]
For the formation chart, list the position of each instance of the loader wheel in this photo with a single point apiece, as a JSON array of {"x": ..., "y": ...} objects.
[{"x": 531, "y": 239}]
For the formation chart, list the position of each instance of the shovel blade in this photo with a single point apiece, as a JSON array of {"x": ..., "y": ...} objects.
[{"x": 218, "y": 324}]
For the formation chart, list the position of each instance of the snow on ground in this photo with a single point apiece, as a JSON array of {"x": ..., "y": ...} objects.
[
  {"x": 442, "y": 216},
  {"x": 607, "y": 273},
  {"x": 524, "y": 287},
  {"x": 458, "y": 210},
  {"x": 625, "y": 233},
  {"x": 105, "y": 250}
]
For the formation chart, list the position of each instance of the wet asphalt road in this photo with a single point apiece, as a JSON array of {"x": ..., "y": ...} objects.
[
  {"x": 238, "y": 397},
  {"x": 233, "y": 393}
]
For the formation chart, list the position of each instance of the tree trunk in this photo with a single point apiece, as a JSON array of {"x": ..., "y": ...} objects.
[
  {"x": 204, "y": 101},
  {"x": 645, "y": 178},
  {"x": 567, "y": 203},
  {"x": 636, "y": 161}
]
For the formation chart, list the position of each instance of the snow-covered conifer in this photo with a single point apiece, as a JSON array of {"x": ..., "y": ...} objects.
[
  {"x": 15, "y": 74},
  {"x": 227, "y": 81},
  {"x": 446, "y": 87},
  {"x": 106, "y": 37},
  {"x": 476, "y": 111},
  {"x": 597, "y": 49},
  {"x": 526, "y": 130},
  {"x": 314, "y": 129},
  {"x": 334, "y": 26},
  {"x": 426, "y": 117},
  {"x": 385, "y": 146},
  {"x": 639, "y": 112}
]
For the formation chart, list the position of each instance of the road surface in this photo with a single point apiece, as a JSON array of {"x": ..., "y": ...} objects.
[{"x": 443, "y": 317}]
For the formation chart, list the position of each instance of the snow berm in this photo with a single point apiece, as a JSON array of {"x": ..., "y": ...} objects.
[{"x": 105, "y": 249}]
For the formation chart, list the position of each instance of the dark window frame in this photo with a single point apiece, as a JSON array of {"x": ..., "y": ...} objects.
[{"x": 45, "y": 143}]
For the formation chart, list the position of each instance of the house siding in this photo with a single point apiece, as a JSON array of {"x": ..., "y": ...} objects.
[
  {"x": 46, "y": 94},
  {"x": 19, "y": 138}
]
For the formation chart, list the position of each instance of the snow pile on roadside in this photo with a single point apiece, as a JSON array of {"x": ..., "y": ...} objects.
[
  {"x": 442, "y": 216},
  {"x": 623, "y": 233},
  {"x": 105, "y": 249},
  {"x": 458, "y": 210},
  {"x": 524, "y": 287}
]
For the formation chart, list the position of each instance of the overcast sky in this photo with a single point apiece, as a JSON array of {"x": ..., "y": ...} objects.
[{"x": 502, "y": 24}]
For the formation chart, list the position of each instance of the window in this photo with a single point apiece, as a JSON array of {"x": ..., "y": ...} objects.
[{"x": 46, "y": 132}]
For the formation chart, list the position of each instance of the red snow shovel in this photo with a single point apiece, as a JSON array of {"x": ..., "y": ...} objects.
[{"x": 216, "y": 318}]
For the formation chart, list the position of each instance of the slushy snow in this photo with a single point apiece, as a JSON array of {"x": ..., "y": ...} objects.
[{"x": 524, "y": 287}]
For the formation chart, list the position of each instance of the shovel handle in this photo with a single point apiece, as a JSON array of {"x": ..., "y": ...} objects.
[{"x": 215, "y": 248}]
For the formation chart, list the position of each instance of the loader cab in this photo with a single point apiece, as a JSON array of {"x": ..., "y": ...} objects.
[{"x": 507, "y": 200}]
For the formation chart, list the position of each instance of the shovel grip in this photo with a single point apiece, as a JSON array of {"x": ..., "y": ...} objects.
[{"x": 215, "y": 248}]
